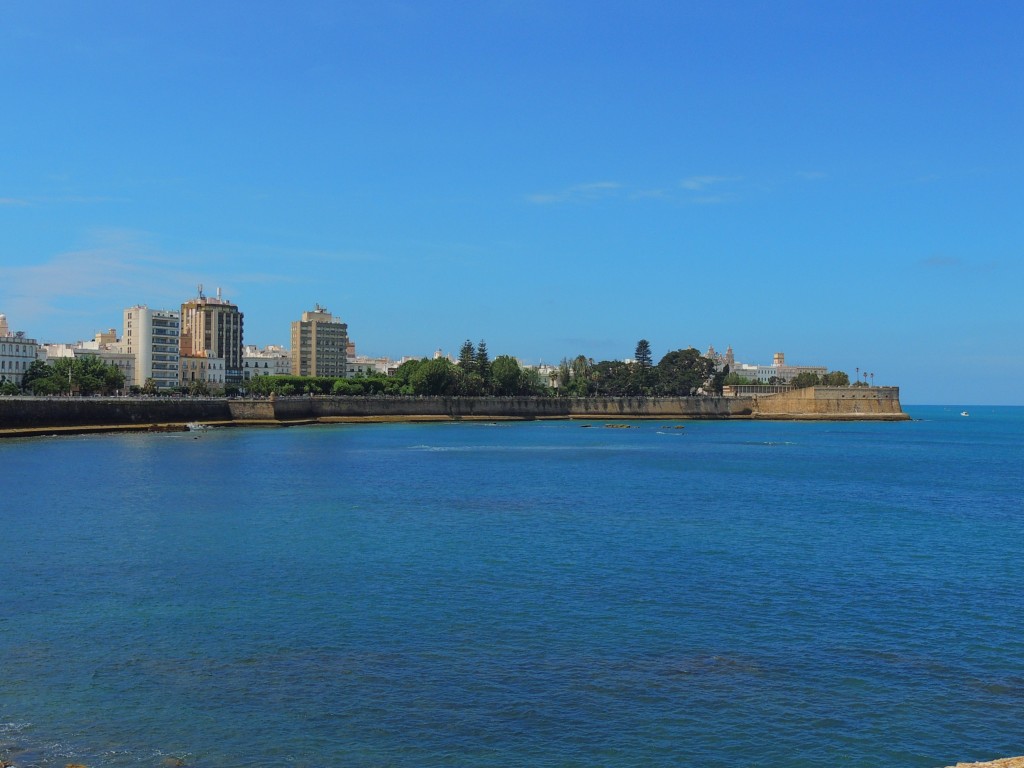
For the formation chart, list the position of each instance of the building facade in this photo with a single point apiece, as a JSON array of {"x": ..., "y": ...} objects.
[
  {"x": 272, "y": 360},
  {"x": 152, "y": 337},
  {"x": 778, "y": 372},
  {"x": 212, "y": 327},
  {"x": 319, "y": 345},
  {"x": 17, "y": 353},
  {"x": 210, "y": 371}
]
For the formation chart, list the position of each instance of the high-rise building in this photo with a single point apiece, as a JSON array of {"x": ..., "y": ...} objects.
[
  {"x": 212, "y": 327},
  {"x": 152, "y": 335},
  {"x": 319, "y": 344}
]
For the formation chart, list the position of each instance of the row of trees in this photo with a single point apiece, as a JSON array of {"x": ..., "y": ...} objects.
[
  {"x": 681, "y": 373},
  {"x": 475, "y": 374},
  {"x": 66, "y": 375},
  {"x": 831, "y": 379}
]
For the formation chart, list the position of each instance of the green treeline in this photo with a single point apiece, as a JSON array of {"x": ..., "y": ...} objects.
[
  {"x": 78, "y": 375},
  {"x": 682, "y": 373}
]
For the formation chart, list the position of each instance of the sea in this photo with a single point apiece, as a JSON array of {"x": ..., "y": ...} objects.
[{"x": 548, "y": 593}]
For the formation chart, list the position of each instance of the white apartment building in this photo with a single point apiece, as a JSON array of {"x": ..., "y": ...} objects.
[
  {"x": 152, "y": 336},
  {"x": 17, "y": 353},
  {"x": 272, "y": 360}
]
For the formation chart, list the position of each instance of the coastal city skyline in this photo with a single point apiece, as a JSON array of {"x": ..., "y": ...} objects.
[{"x": 838, "y": 182}]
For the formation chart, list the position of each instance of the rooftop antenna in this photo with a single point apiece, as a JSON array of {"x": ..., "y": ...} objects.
[
  {"x": 218, "y": 293},
  {"x": 200, "y": 290}
]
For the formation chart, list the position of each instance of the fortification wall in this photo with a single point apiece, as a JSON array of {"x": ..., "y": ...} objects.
[
  {"x": 19, "y": 414},
  {"x": 388, "y": 408},
  {"x": 825, "y": 402},
  {"x": 39, "y": 412}
]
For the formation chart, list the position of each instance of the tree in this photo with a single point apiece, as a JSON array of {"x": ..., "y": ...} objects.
[
  {"x": 614, "y": 378},
  {"x": 9, "y": 388},
  {"x": 483, "y": 362},
  {"x": 87, "y": 375},
  {"x": 580, "y": 369},
  {"x": 836, "y": 379},
  {"x": 436, "y": 377},
  {"x": 404, "y": 372},
  {"x": 347, "y": 387},
  {"x": 805, "y": 379},
  {"x": 732, "y": 378},
  {"x": 467, "y": 356},
  {"x": 36, "y": 370},
  {"x": 471, "y": 384},
  {"x": 45, "y": 387},
  {"x": 506, "y": 376},
  {"x": 642, "y": 372},
  {"x": 642, "y": 355},
  {"x": 564, "y": 374},
  {"x": 532, "y": 382},
  {"x": 718, "y": 380},
  {"x": 149, "y": 387},
  {"x": 682, "y": 372},
  {"x": 198, "y": 388}
]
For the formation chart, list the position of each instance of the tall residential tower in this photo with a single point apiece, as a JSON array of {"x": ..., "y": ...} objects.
[
  {"x": 319, "y": 344},
  {"x": 212, "y": 328},
  {"x": 151, "y": 336}
]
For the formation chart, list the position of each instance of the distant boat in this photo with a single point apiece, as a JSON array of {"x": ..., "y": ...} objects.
[
  {"x": 964, "y": 413},
  {"x": 195, "y": 426}
]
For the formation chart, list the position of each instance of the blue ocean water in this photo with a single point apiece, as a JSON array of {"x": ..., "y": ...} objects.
[{"x": 543, "y": 594}]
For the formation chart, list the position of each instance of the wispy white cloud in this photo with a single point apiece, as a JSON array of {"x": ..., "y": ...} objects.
[
  {"x": 811, "y": 175},
  {"x": 713, "y": 190},
  {"x": 87, "y": 288},
  {"x": 577, "y": 193},
  {"x": 119, "y": 269},
  {"x": 12, "y": 201},
  {"x": 698, "y": 183},
  {"x": 650, "y": 194}
]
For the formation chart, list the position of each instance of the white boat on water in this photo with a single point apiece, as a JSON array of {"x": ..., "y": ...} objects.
[
  {"x": 195, "y": 426},
  {"x": 964, "y": 413}
]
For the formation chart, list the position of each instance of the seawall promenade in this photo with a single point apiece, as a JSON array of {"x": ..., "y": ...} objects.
[{"x": 21, "y": 416}]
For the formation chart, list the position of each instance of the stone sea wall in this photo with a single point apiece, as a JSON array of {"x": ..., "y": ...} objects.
[
  {"x": 40, "y": 412},
  {"x": 367, "y": 408},
  {"x": 21, "y": 414}
]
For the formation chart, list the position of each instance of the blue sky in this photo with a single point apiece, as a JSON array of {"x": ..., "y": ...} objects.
[{"x": 841, "y": 181}]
